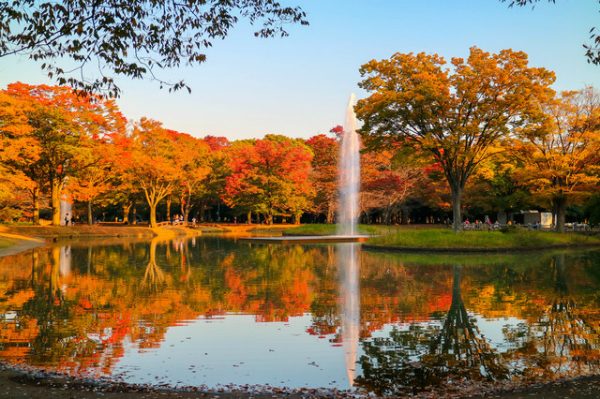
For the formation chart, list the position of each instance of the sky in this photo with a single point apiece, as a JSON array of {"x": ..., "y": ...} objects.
[{"x": 299, "y": 86}]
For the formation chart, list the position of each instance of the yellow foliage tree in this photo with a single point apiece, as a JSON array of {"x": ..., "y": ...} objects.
[
  {"x": 455, "y": 114},
  {"x": 561, "y": 154}
]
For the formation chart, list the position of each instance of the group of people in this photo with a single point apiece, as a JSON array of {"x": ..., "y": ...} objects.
[
  {"x": 69, "y": 219},
  {"x": 177, "y": 219},
  {"x": 478, "y": 225}
]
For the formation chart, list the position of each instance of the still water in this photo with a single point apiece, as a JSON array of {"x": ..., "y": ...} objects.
[{"x": 212, "y": 312}]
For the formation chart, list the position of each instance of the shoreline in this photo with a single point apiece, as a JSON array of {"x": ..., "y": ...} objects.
[
  {"x": 30, "y": 237},
  {"x": 39, "y": 384}
]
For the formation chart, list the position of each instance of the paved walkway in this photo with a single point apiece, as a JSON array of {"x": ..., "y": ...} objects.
[{"x": 23, "y": 244}]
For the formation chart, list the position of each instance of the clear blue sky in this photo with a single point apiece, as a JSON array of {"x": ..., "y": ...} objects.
[{"x": 299, "y": 86}]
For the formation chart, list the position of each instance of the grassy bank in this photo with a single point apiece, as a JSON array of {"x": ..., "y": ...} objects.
[
  {"x": 78, "y": 231},
  {"x": 328, "y": 230},
  {"x": 6, "y": 242},
  {"x": 435, "y": 238},
  {"x": 517, "y": 239}
]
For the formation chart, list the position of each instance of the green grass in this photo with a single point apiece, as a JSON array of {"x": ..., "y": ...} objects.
[
  {"x": 421, "y": 237},
  {"x": 521, "y": 239},
  {"x": 6, "y": 242},
  {"x": 326, "y": 230}
]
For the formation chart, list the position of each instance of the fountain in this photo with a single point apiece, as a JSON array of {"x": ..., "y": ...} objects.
[
  {"x": 349, "y": 174},
  {"x": 349, "y": 186}
]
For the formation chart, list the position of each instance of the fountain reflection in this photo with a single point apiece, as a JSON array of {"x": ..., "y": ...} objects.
[{"x": 348, "y": 261}]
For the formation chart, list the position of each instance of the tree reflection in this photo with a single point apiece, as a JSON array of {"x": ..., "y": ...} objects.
[
  {"x": 426, "y": 356},
  {"x": 154, "y": 276},
  {"x": 131, "y": 293},
  {"x": 562, "y": 340}
]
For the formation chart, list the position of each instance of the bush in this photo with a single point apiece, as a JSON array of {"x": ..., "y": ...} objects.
[
  {"x": 510, "y": 229},
  {"x": 10, "y": 215},
  {"x": 592, "y": 211}
]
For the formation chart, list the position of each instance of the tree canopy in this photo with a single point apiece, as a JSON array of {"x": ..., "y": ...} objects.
[
  {"x": 560, "y": 155},
  {"x": 455, "y": 115},
  {"x": 85, "y": 44}
]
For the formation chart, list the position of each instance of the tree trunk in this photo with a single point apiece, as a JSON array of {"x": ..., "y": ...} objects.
[
  {"x": 168, "y": 209},
  {"x": 186, "y": 206},
  {"x": 388, "y": 215},
  {"x": 35, "y": 199},
  {"x": 560, "y": 204},
  {"x": 126, "y": 209},
  {"x": 270, "y": 221},
  {"x": 152, "y": 216},
  {"x": 456, "y": 208},
  {"x": 90, "y": 217},
  {"x": 330, "y": 211},
  {"x": 202, "y": 215},
  {"x": 55, "y": 183}
]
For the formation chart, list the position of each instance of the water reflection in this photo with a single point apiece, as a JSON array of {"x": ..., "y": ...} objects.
[
  {"x": 348, "y": 261},
  {"x": 212, "y": 311}
]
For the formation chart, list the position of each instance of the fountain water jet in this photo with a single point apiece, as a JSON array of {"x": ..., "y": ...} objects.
[
  {"x": 349, "y": 167},
  {"x": 349, "y": 186}
]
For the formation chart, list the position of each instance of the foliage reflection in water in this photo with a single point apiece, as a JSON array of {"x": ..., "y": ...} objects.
[{"x": 209, "y": 311}]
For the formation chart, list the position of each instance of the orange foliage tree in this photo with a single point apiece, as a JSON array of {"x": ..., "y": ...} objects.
[
  {"x": 62, "y": 129},
  {"x": 150, "y": 160},
  {"x": 455, "y": 115},
  {"x": 270, "y": 175},
  {"x": 324, "y": 174},
  {"x": 159, "y": 160},
  {"x": 194, "y": 159}
]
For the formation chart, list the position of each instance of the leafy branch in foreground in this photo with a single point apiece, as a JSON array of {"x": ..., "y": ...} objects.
[
  {"x": 592, "y": 51},
  {"x": 130, "y": 38}
]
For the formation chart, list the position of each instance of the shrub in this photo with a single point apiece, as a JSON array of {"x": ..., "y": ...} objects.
[{"x": 510, "y": 229}]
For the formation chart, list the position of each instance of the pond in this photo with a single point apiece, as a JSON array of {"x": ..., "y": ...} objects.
[{"x": 214, "y": 313}]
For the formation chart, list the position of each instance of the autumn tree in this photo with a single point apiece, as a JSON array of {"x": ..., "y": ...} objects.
[
  {"x": 97, "y": 178},
  {"x": 19, "y": 159},
  {"x": 389, "y": 180},
  {"x": 324, "y": 174},
  {"x": 495, "y": 186},
  {"x": 270, "y": 175},
  {"x": 453, "y": 114},
  {"x": 62, "y": 129},
  {"x": 152, "y": 160},
  {"x": 560, "y": 155},
  {"x": 193, "y": 158},
  {"x": 130, "y": 38},
  {"x": 213, "y": 185}
]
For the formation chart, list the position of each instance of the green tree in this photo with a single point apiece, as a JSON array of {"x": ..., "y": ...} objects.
[
  {"x": 130, "y": 38},
  {"x": 455, "y": 115}
]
